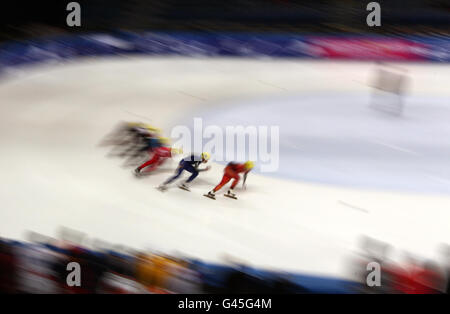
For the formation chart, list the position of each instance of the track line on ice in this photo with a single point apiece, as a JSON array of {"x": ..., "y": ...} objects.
[
  {"x": 272, "y": 85},
  {"x": 193, "y": 96},
  {"x": 292, "y": 144},
  {"x": 259, "y": 81},
  {"x": 353, "y": 207},
  {"x": 137, "y": 115},
  {"x": 395, "y": 147},
  {"x": 439, "y": 179}
]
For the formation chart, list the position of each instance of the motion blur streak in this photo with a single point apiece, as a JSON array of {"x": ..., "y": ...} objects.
[
  {"x": 41, "y": 267},
  {"x": 357, "y": 200}
]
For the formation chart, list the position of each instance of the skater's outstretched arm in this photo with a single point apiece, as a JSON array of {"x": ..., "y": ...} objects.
[
  {"x": 244, "y": 185},
  {"x": 204, "y": 169}
]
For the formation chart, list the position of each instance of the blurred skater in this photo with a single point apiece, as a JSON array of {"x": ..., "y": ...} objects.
[
  {"x": 148, "y": 145},
  {"x": 159, "y": 156}
]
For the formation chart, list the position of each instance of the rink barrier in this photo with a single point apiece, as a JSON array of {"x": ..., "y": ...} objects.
[{"x": 249, "y": 45}]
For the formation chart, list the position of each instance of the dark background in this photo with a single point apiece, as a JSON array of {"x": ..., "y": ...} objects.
[{"x": 21, "y": 20}]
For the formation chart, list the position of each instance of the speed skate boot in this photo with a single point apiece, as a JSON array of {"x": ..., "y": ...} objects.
[
  {"x": 184, "y": 186},
  {"x": 230, "y": 194},
  {"x": 162, "y": 188},
  {"x": 210, "y": 194}
]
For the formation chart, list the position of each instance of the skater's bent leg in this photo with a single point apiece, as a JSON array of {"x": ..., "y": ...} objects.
[
  {"x": 235, "y": 182},
  {"x": 177, "y": 174},
  {"x": 224, "y": 181},
  {"x": 149, "y": 162},
  {"x": 145, "y": 164},
  {"x": 192, "y": 177},
  {"x": 155, "y": 165},
  {"x": 191, "y": 169}
]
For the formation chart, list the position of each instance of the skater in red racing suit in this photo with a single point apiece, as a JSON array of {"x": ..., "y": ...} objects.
[
  {"x": 160, "y": 154},
  {"x": 232, "y": 171}
]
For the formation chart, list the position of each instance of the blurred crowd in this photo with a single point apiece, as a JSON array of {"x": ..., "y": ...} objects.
[
  {"x": 42, "y": 267},
  {"x": 413, "y": 275},
  {"x": 32, "y": 268}
]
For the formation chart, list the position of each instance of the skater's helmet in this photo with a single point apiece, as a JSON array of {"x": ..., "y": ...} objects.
[
  {"x": 133, "y": 124},
  {"x": 249, "y": 165},
  {"x": 205, "y": 156},
  {"x": 176, "y": 151},
  {"x": 164, "y": 140},
  {"x": 152, "y": 129}
]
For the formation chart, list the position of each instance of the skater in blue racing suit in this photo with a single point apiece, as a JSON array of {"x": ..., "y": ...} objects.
[{"x": 190, "y": 164}]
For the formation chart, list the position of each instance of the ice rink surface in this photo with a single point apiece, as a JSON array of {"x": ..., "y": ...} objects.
[
  {"x": 345, "y": 171},
  {"x": 339, "y": 139}
]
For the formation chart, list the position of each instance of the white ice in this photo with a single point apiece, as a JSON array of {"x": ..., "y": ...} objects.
[{"x": 52, "y": 118}]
